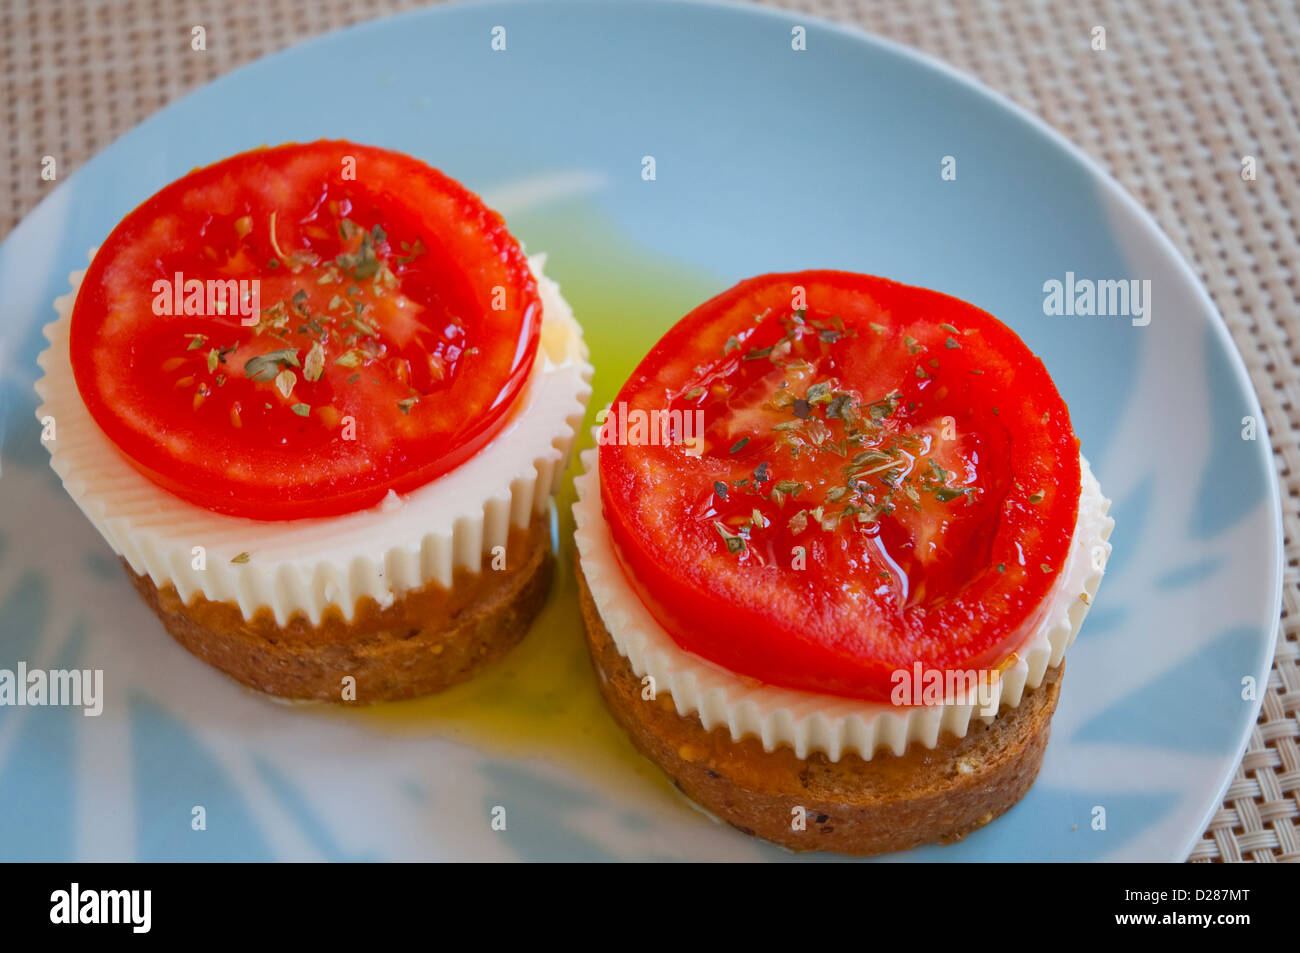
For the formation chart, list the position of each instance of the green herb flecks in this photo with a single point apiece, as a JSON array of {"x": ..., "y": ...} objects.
[
  {"x": 819, "y": 393},
  {"x": 799, "y": 522},
  {"x": 363, "y": 327},
  {"x": 313, "y": 364},
  {"x": 412, "y": 251},
  {"x": 285, "y": 381},
  {"x": 265, "y": 367},
  {"x": 735, "y": 542},
  {"x": 839, "y": 407},
  {"x": 362, "y": 263},
  {"x": 885, "y": 407},
  {"x": 946, "y": 494}
]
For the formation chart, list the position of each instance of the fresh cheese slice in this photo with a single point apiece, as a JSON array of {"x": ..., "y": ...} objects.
[
  {"x": 809, "y": 722},
  {"x": 308, "y": 565}
]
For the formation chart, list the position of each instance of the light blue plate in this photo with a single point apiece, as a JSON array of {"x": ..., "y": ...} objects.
[{"x": 766, "y": 158}]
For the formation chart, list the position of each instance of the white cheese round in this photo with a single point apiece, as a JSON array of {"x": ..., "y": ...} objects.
[
  {"x": 808, "y": 721},
  {"x": 306, "y": 565}
]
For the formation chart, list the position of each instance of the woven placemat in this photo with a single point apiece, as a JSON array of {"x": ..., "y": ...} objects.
[{"x": 1182, "y": 92}]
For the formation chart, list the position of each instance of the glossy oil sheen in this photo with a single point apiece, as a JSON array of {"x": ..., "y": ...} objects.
[{"x": 542, "y": 698}]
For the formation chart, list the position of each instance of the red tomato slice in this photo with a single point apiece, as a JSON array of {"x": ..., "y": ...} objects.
[
  {"x": 905, "y": 448},
  {"x": 396, "y": 323}
]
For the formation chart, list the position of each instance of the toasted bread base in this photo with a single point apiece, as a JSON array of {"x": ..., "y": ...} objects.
[
  {"x": 850, "y": 806},
  {"x": 427, "y": 640}
]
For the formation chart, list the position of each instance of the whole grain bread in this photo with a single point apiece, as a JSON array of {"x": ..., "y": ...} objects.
[
  {"x": 428, "y": 639},
  {"x": 850, "y": 806}
]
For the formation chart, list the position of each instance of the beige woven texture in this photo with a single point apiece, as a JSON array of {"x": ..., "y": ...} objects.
[{"x": 1182, "y": 92}]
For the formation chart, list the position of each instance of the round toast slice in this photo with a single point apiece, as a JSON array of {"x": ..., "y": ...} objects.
[
  {"x": 850, "y": 806},
  {"x": 427, "y": 640}
]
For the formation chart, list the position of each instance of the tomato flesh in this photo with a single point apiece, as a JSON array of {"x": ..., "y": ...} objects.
[
  {"x": 887, "y": 475},
  {"x": 395, "y": 323}
]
